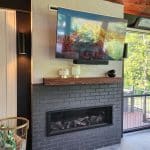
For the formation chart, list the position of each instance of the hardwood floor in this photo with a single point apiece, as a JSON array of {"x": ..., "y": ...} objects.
[
  {"x": 134, "y": 120},
  {"x": 132, "y": 141}
]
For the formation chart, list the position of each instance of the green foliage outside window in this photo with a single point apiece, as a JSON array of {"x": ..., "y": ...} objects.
[{"x": 137, "y": 65}]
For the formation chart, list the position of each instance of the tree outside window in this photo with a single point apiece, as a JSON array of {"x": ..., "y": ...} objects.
[{"x": 137, "y": 65}]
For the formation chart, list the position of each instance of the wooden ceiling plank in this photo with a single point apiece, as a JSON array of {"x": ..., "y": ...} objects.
[
  {"x": 135, "y": 9},
  {"x": 143, "y": 2},
  {"x": 116, "y": 1}
]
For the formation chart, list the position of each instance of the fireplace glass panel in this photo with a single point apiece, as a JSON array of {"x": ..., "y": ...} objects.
[{"x": 63, "y": 121}]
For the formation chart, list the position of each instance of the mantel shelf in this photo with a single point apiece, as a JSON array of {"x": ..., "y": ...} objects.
[{"x": 81, "y": 81}]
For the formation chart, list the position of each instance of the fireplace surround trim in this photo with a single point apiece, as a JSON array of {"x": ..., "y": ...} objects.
[{"x": 55, "y": 98}]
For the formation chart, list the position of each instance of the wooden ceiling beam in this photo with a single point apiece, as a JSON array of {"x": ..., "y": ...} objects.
[
  {"x": 143, "y": 2},
  {"x": 116, "y": 1},
  {"x": 23, "y": 5},
  {"x": 135, "y": 7}
]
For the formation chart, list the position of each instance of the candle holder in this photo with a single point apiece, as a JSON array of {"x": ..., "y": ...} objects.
[
  {"x": 63, "y": 73},
  {"x": 76, "y": 71}
]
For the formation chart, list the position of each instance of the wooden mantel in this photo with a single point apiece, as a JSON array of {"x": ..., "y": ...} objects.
[{"x": 81, "y": 81}]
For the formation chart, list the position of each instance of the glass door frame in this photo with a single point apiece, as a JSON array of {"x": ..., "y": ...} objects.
[{"x": 138, "y": 31}]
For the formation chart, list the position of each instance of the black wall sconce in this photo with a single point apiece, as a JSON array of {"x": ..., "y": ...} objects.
[
  {"x": 125, "y": 50},
  {"x": 21, "y": 42}
]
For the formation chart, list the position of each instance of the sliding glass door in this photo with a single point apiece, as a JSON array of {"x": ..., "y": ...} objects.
[{"x": 137, "y": 81}]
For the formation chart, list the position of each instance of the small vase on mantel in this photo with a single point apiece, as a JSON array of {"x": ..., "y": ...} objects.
[
  {"x": 63, "y": 73},
  {"x": 76, "y": 71}
]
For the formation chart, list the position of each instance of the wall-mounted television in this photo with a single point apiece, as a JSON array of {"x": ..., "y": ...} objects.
[{"x": 87, "y": 36}]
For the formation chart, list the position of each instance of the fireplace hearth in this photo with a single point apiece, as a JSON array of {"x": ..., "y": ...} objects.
[{"x": 63, "y": 121}]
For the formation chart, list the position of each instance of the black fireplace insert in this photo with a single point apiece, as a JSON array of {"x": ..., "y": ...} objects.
[{"x": 69, "y": 120}]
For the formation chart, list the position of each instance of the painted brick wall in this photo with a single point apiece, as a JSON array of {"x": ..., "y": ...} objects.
[{"x": 49, "y": 98}]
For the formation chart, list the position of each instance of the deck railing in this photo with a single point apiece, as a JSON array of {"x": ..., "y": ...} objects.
[{"x": 136, "y": 112}]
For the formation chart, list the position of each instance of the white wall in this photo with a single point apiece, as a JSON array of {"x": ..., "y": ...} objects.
[
  {"x": 44, "y": 63},
  {"x": 8, "y": 73}
]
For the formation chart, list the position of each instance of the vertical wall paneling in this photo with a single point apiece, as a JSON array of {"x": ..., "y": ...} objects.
[
  {"x": 11, "y": 63},
  {"x": 24, "y": 70},
  {"x": 8, "y": 75},
  {"x": 3, "y": 96},
  {"x": 24, "y": 67}
]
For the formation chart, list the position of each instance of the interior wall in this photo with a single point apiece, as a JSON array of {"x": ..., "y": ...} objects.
[
  {"x": 44, "y": 63},
  {"x": 8, "y": 73}
]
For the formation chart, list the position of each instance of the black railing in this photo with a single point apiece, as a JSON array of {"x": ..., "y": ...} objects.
[{"x": 136, "y": 112}]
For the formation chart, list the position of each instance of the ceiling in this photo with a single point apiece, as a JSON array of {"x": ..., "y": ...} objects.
[
  {"x": 135, "y": 7},
  {"x": 20, "y": 5}
]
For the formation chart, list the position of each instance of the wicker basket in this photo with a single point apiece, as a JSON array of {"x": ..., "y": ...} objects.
[{"x": 13, "y": 133}]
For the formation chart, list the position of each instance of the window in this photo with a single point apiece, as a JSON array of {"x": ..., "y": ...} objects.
[{"x": 137, "y": 65}]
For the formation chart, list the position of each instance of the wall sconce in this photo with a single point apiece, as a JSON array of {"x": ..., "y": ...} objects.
[
  {"x": 21, "y": 40},
  {"x": 125, "y": 50}
]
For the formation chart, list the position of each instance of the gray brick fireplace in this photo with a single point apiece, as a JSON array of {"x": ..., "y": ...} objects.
[{"x": 58, "y": 98}]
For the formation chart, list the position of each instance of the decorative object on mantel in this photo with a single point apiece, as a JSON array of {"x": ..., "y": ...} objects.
[
  {"x": 111, "y": 73},
  {"x": 63, "y": 73},
  {"x": 76, "y": 71},
  {"x": 81, "y": 81}
]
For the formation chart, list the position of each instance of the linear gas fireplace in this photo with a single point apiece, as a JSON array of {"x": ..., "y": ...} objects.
[{"x": 59, "y": 122}]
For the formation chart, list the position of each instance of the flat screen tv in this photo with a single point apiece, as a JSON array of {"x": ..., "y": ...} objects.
[{"x": 87, "y": 36}]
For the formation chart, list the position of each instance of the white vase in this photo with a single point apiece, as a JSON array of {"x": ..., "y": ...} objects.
[
  {"x": 76, "y": 71},
  {"x": 63, "y": 73}
]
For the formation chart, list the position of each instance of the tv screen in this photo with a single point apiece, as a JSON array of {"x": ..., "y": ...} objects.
[{"x": 89, "y": 36}]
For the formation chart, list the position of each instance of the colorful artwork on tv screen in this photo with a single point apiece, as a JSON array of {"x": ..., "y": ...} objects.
[{"x": 89, "y": 36}]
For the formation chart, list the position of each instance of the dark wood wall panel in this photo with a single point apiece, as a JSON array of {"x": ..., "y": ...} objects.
[
  {"x": 24, "y": 5},
  {"x": 24, "y": 70}
]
